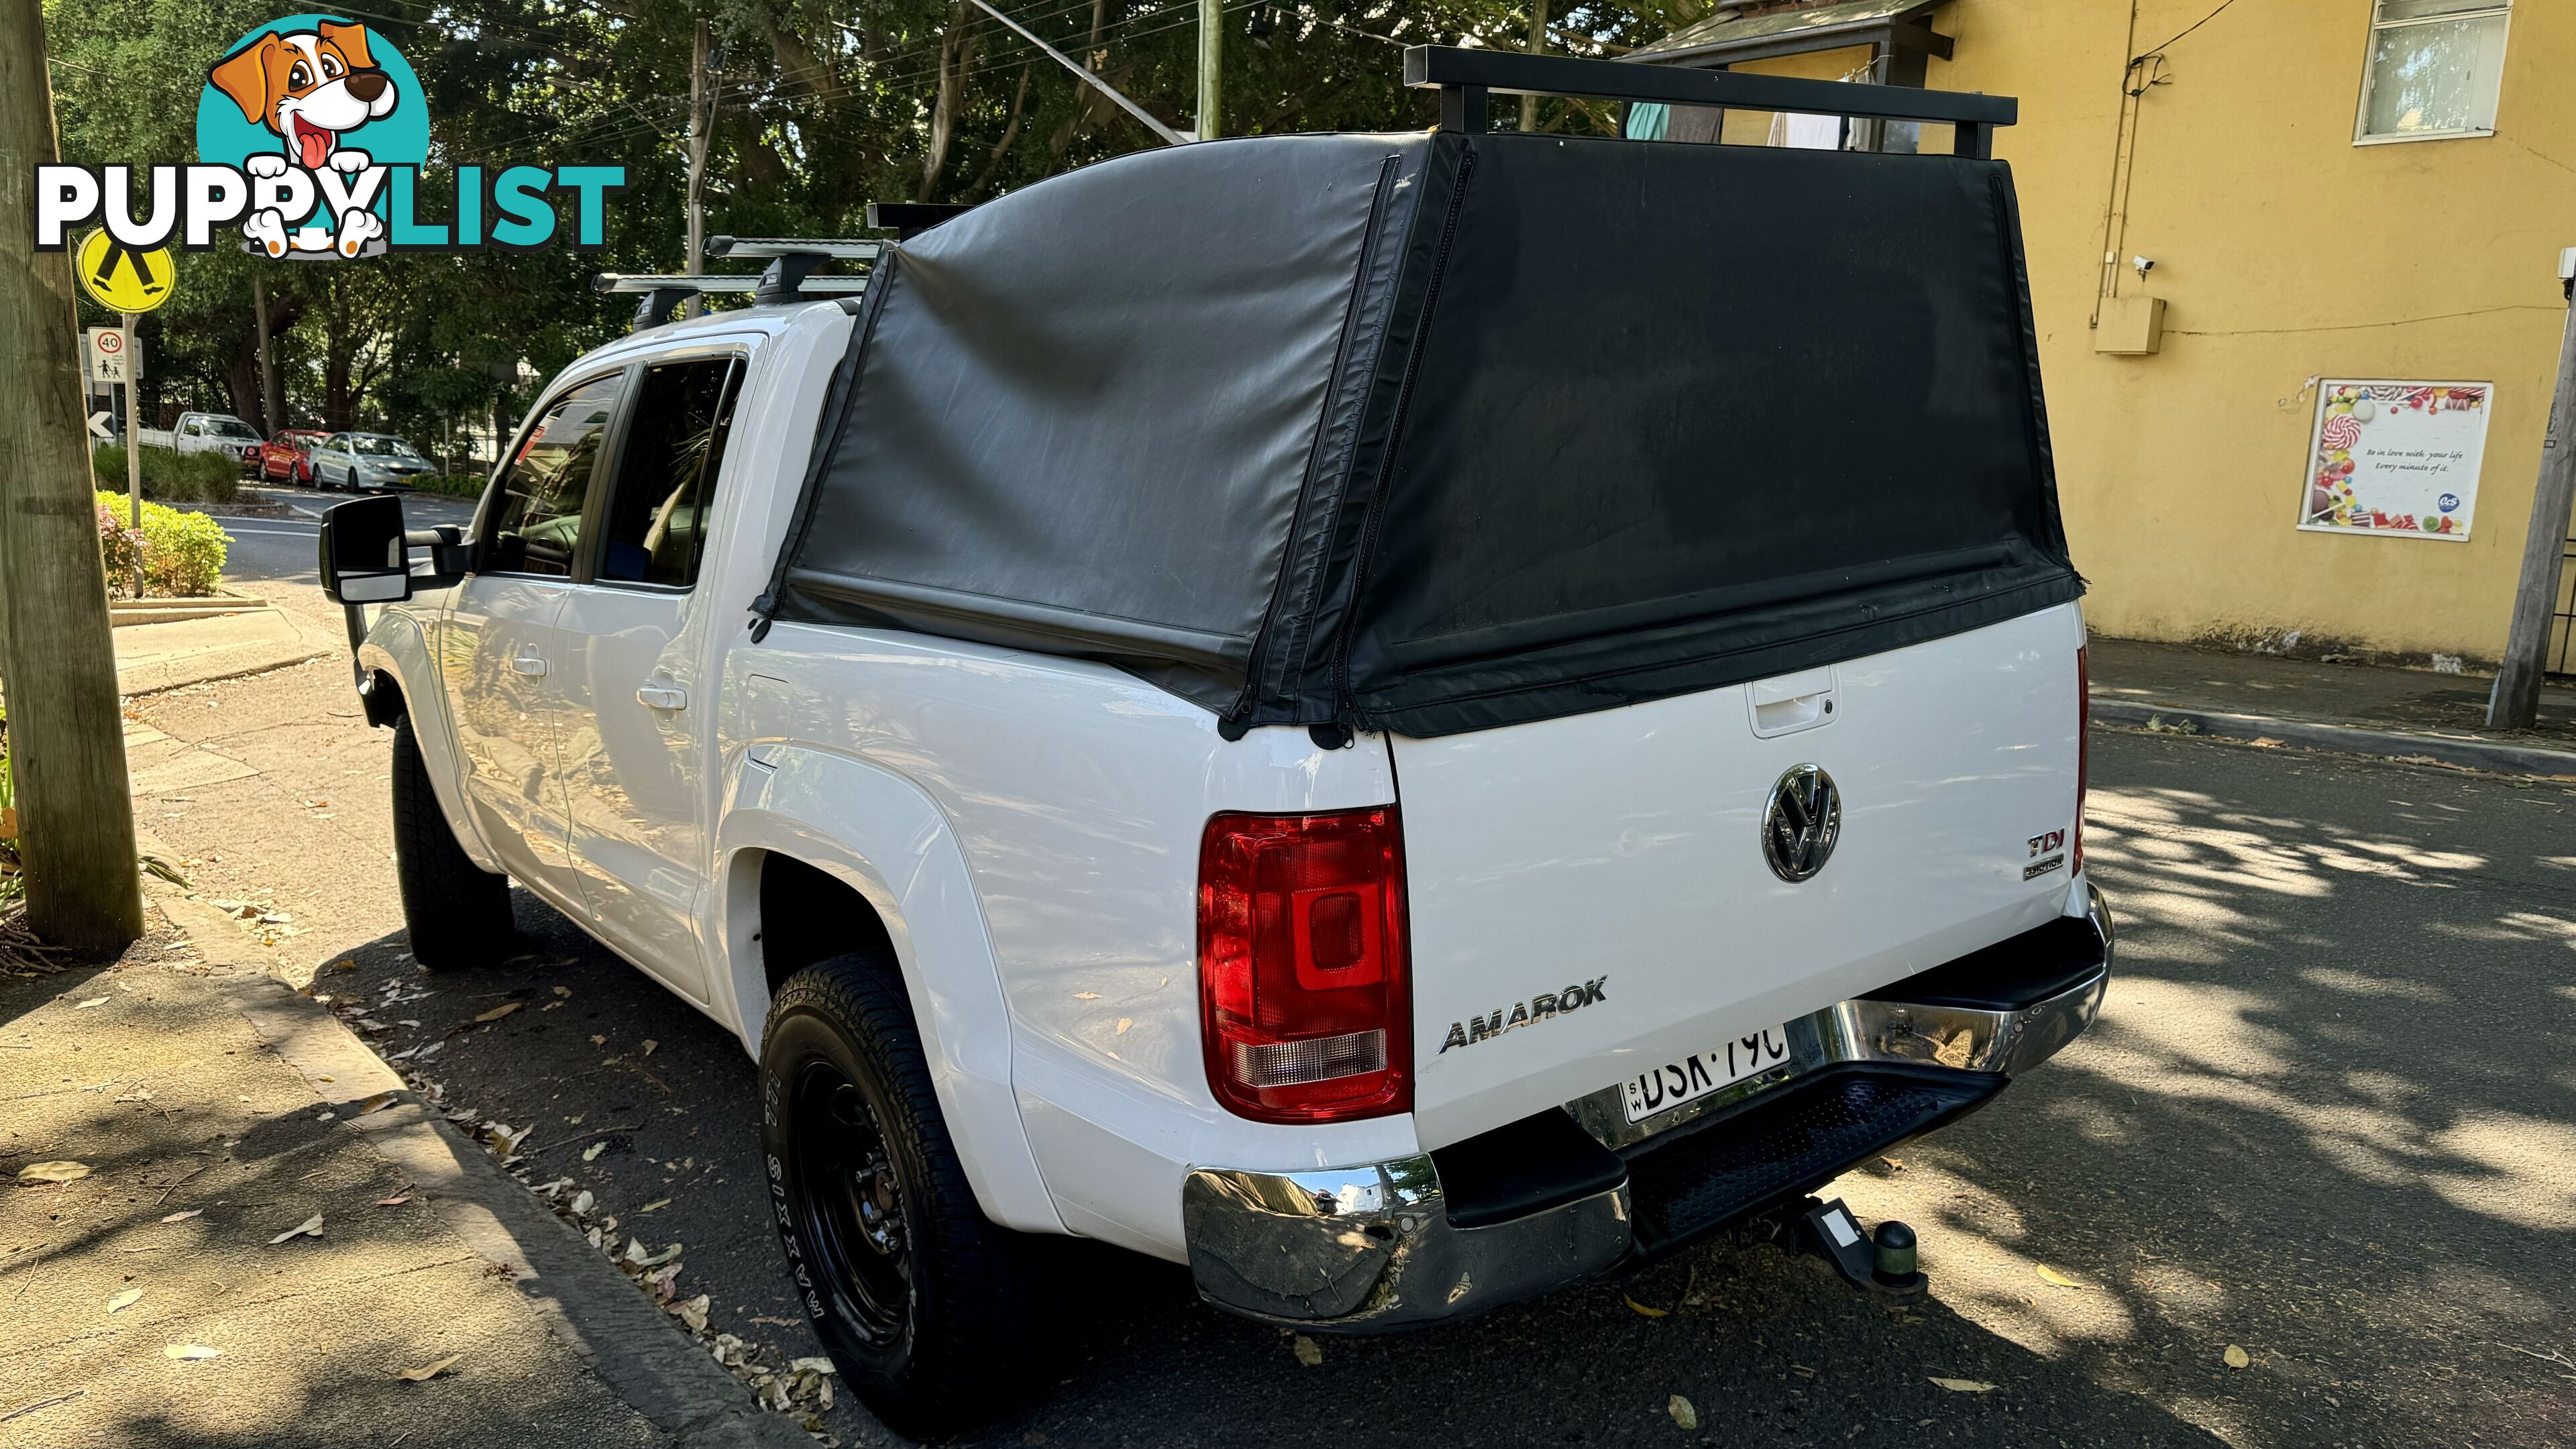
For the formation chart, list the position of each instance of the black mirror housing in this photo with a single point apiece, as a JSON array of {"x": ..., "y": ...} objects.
[{"x": 364, "y": 560}]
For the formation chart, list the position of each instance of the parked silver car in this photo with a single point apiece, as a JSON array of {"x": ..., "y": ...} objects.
[{"x": 367, "y": 462}]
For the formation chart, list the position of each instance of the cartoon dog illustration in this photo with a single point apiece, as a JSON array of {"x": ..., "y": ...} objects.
[{"x": 310, "y": 87}]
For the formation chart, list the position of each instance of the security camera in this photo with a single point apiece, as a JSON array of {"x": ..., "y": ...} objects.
[{"x": 2143, "y": 264}]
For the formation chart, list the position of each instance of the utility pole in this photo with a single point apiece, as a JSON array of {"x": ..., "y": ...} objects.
[
  {"x": 699, "y": 124},
  {"x": 1210, "y": 122},
  {"x": 272, "y": 402},
  {"x": 1537, "y": 46},
  {"x": 133, "y": 443},
  {"x": 2514, "y": 704},
  {"x": 66, "y": 737}
]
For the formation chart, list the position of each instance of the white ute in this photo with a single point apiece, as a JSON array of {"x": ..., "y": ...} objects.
[{"x": 1406, "y": 736}]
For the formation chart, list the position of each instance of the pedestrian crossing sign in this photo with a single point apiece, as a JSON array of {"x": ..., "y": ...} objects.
[{"x": 123, "y": 278}]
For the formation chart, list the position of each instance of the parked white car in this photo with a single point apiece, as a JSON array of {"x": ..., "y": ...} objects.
[
  {"x": 1339, "y": 710},
  {"x": 217, "y": 433}
]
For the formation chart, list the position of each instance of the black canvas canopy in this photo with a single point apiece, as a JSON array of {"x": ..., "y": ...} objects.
[{"x": 1439, "y": 432}]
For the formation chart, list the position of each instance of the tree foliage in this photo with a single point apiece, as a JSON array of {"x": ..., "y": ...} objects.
[{"x": 820, "y": 106}]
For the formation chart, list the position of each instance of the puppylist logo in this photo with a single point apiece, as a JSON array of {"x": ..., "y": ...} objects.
[{"x": 311, "y": 136}]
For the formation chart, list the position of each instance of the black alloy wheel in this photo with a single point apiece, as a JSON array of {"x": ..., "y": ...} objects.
[
  {"x": 851, "y": 1211},
  {"x": 933, "y": 1312}
]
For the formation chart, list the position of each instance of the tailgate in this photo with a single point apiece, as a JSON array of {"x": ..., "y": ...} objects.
[{"x": 1617, "y": 857}]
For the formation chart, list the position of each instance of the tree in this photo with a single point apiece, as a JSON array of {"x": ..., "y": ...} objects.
[{"x": 66, "y": 741}]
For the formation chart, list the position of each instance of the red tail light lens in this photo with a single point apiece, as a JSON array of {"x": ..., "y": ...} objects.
[
  {"x": 2083, "y": 755},
  {"x": 1305, "y": 999}
]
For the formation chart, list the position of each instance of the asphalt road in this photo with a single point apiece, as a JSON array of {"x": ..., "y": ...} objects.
[
  {"x": 2325, "y": 1118},
  {"x": 270, "y": 550}
]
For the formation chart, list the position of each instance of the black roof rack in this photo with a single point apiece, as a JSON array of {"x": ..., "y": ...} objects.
[
  {"x": 1465, "y": 78},
  {"x": 788, "y": 278},
  {"x": 909, "y": 219}
]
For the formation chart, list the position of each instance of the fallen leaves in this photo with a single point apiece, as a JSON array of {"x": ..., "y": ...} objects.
[
  {"x": 649, "y": 1045},
  {"x": 2236, "y": 1358},
  {"x": 181, "y": 1217},
  {"x": 1309, "y": 1352},
  {"x": 309, "y": 1228},
  {"x": 190, "y": 1352},
  {"x": 125, "y": 1300},
  {"x": 53, "y": 1172},
  {"x": 637, "y": 1254},
  {"x": 2048, "y": 1274},
  {"x": 1643, "y": 1309},
  {"x": 93, "y": 1001},
  {"x": 1683, "y": 1414},
  {"x": 496, "y": 1013},
  {"x": 427, "y": 1371},
  {"x": 591, "y": 1153},
  {"x": 396, "y": 1201},
  {"x": 1965, "y": 1386},
  {"x": 655, "y": 1206},
  {"x": 693, "y": 1312},
  {"x": 377, "y": 1103}
]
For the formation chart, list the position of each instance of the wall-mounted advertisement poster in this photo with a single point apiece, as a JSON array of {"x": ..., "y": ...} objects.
[{"x": 2398, "y": 459}]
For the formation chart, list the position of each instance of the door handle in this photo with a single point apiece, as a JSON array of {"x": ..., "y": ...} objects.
[
  {"x": 662, "y": 696},
  {"x": 529, "y": 664}
]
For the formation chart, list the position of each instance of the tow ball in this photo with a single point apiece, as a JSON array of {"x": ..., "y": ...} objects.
[{"x": 1882, "y": 1263}]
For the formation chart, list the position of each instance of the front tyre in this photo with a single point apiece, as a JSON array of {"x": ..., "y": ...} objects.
[
  {"x": 929, "y": 1308},
  {"x": 458, "y": 912}
]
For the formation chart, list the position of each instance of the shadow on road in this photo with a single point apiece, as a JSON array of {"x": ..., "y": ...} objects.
[{"x": 2322, "y": 1119}]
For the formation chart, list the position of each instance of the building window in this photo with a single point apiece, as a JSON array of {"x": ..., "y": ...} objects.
[{"x": 2435, "y": 67}]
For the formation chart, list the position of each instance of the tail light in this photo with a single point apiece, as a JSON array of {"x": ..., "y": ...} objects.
[
  {"x": 1305, "y": 995},
  {"x": 2083, "y": 756}
]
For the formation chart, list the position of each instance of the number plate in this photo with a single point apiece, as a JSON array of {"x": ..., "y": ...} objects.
[{"x": 1697, "y": 1075}]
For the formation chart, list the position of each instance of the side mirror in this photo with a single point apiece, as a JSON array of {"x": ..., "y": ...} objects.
[{"x": 364, "y": 560}]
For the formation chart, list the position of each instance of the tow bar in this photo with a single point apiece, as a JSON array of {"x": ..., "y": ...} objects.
[{"x": 1883, "y": 1263}]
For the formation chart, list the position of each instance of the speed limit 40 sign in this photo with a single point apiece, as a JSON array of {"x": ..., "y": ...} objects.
[{"x": 111, "y": 355}]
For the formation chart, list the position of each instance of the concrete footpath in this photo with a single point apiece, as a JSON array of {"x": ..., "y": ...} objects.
[
  {"x": 226, "y": 1221},
  {"x": 2357, "y": 709}
]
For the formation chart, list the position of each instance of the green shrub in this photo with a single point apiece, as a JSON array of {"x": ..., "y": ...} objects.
[
  {"x": 174, "y": 476},
  {"x": 454, "y": 485},
  {"x": 183, "y": 553}
]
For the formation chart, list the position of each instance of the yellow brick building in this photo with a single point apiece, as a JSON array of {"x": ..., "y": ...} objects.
[{"x": 2328, "y": 189}]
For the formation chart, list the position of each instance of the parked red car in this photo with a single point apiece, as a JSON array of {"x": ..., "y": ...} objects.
[{"x": 288, "y": 457}]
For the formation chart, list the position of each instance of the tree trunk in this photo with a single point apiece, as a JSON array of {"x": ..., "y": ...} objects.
[
  {"x": 339, "y": 357},
  {"x": 241, "y": 385},
  {"x": 75, "y": 819},
  {"x": 1537, "y": 46},
  {"x": 956, "y": 53},
  {"x": 1010, "y": 133}
]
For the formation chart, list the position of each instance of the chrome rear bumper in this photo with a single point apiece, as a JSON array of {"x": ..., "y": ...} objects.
[{"x": 1376, "y": 1246}]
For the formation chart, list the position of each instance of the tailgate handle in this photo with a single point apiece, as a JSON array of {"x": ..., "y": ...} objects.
[{"x": 1792, "y": 702}]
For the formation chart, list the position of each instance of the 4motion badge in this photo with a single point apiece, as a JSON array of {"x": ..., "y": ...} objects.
[{"x": 1802, "y": 824}]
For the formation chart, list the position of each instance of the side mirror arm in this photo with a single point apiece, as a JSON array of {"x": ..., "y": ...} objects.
[{"x": 451, "y": 555}]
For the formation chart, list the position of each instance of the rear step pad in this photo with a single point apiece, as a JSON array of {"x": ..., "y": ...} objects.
[{"x": 1783, "y": 1143}]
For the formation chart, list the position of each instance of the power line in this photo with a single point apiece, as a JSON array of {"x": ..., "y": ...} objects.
[{"x": 2186, "y": 30}]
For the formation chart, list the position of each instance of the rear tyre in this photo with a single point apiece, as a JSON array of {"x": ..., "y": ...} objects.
[
  {"x": 458, "y": 912},
  {"x": 931, "y": 1310}
]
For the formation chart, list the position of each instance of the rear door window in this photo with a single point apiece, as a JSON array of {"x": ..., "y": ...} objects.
[
  {"x": 666, "y": 473},
  {"x": 537, "y": 527}
]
